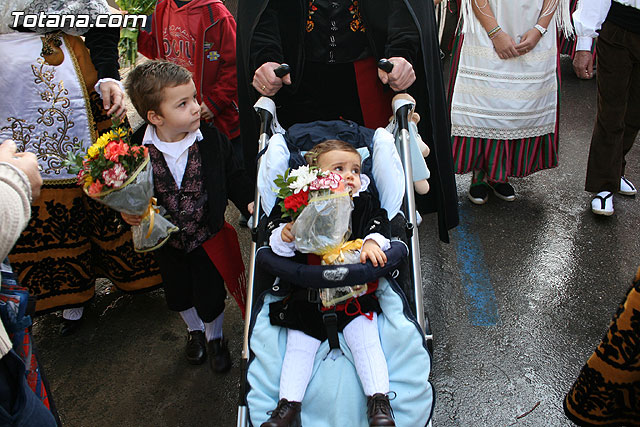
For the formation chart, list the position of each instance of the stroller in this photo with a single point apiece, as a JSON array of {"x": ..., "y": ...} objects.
[{"x": 334, "y": 396}]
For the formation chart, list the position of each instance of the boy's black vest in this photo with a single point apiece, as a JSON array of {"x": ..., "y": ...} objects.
[{"x": 187, "y": 206}]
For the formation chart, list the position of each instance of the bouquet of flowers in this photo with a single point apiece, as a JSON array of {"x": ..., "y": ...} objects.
[
  {"x": 128, "y": 46},
  {"x": 321, "y": 207},
  {"x": 119, "y": 175}
]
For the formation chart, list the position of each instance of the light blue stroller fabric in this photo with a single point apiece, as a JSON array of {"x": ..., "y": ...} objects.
[{"x": 334, "y": 396}]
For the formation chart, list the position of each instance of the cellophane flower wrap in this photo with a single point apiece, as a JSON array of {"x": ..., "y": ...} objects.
[
  {"x": 321, "y": 207},
  {"x": 119, "y": 175}
]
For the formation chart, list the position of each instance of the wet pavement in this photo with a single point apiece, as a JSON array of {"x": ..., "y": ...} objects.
[{"x": 517, "y": 302}]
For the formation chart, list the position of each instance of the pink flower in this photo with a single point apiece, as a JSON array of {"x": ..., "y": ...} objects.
[
  {"x": 115, "y": 176},
  {"x": 115, "y": 149},
  {"x": 95, "y": 188},
  {"x": 330, "y": 180}
]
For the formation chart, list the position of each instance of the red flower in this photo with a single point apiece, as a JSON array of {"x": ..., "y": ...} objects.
[
  {"x": 95, "y": 188},
  {"x": 115, "y": 149},
  {"x": 296, "y": 201}
]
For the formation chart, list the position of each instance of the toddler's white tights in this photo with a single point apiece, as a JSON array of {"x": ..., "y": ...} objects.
[{"x": 362, "y": 337}]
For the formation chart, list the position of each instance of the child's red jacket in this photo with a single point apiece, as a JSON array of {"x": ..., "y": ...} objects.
[{"x": 200, "y": 36}]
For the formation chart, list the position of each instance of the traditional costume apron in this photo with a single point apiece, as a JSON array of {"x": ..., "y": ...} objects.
[
  {"x": 71, "y": 240},
  {"x": 504, "y": 113}
]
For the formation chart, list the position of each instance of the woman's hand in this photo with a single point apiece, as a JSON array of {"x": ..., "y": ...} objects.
[
  {"x": 205, "y": 112},
  {"x": 286, "y": 234},
  {"x": 504, "y": 45},
  {"x": 371, "y": 250},
  {"x": 27, "y": 162},
  {"x": 113, "y": 99},
  {"x": 401, "y": 77},
  {"x": 528, "y": 41},
  {"x": 250, "y": 207},
  {"x": 265, "y": 80},
  {"x": 131, "y": 219}
]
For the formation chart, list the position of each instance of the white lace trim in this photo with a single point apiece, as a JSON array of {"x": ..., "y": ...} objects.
[
  {"x": 464, "y": 70},
  {"x": 506, "y": 93},
  {"x": 494, "y": 133},
  {"x": 489, "y": 52},
  {"x": 483, "y": 112}
]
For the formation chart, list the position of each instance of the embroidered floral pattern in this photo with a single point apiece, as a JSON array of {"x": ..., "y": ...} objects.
[
  {"x": 356, "y": 19},
  {"x": 53, "y": 143},
  {"x": 311, "y": 10}
]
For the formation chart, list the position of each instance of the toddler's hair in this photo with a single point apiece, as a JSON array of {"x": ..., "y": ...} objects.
[
  {"x": 146, "y": 82},
  {"x": 329, "y": 145}
]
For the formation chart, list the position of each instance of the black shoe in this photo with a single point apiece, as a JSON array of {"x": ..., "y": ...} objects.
[
  {"x": 69, "y": 327},
  {"x": 379, "y": 412},
  {"x": 219, "y": 356},
  {"x": 503, "y": 190},
  {"x": 286, "y": 414},
  {"x": 479, "y": 193},
  {"x": 196, "y": 349}
]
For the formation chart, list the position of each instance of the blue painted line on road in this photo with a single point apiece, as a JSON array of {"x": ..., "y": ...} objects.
[{"x": 476, "y": 282}]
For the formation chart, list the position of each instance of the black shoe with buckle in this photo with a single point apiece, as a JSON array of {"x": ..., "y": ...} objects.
[
  {"x": 196, "y": 349},
  {"x": 286, "y": 414},
  {"x": 219, "y": 356},
  {"x": 379, "y": 412},
  {"x": 503, "y": 190}
]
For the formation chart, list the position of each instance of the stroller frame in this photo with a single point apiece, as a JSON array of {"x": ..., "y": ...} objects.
[{"x": 402, "y": 107}]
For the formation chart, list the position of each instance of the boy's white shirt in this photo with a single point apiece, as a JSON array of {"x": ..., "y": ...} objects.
[
  {"x": 286, "y": 249},
  {"x": 176, "y": 154}
]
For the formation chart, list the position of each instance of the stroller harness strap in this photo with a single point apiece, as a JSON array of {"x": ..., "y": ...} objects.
[
  {"x": 330, "y": 321},
  {"x": 351, "y": 308}
]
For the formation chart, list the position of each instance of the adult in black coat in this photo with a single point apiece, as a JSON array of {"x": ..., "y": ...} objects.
[{"x": 283, "y": 24}]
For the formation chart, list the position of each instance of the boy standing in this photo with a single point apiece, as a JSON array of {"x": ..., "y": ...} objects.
[
  {"x": 200, "y": 35},
  {"x": 194, "y": 173}
]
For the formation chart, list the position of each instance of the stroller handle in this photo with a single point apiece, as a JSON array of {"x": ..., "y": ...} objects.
[
  {"x": 282, "y": 70},
  {"x": 330, "y": 276},
  {"x": 385, "y": 65}
]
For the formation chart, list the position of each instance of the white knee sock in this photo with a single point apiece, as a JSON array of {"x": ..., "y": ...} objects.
[
  {"x": 193, "y": 321},
  {"x": 297, "y": 365},
  {"x": 73, "y": 313},
  {"x": 363, "y": 340},
  {"x": 213, "y": 330}
]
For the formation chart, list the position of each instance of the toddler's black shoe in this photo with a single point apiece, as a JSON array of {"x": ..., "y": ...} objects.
[
  {"x": 286, "y": 414},
  {"x": 219, "y": 356},
  {"x": 196, "y": 349},
  {"x": 379, "y": 411}
]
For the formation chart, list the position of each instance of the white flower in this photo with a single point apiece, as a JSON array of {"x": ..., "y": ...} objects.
[{"x": 304, "y": 176}]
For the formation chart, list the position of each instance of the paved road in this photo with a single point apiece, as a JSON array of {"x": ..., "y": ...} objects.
[{"x": 517, "y": 302}]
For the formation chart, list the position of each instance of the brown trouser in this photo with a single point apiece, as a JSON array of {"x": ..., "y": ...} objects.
[{"x": 618, "y": 119}]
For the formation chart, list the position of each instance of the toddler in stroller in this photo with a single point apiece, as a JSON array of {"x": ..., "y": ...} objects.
[
  {"x": 356, "y": 317},
  {"x": 335, "y": 395}
]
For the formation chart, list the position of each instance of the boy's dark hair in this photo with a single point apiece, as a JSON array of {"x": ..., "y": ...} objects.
[
  {"x": 329, "y": 145},
  {"x": 146, "y": 82}
]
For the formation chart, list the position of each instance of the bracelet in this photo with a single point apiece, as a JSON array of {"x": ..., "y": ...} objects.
[
  {"x": 494, "y": 32},
  {"x": 540, "y": 28}
]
